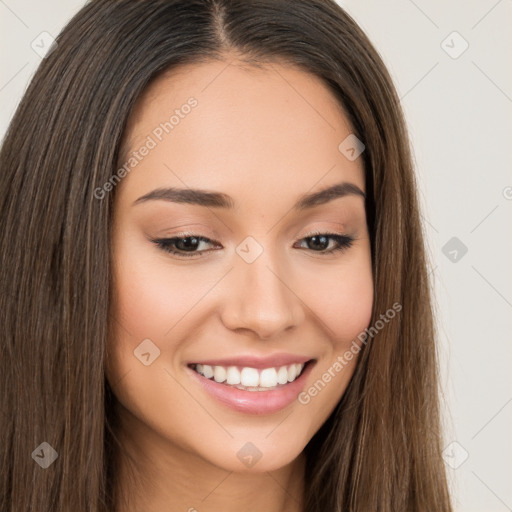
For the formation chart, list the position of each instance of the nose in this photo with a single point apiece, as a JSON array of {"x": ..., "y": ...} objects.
[{"x": 261, "y": 298}]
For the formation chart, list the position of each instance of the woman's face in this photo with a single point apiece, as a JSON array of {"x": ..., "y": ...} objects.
[{"x": 255, "y": 293}]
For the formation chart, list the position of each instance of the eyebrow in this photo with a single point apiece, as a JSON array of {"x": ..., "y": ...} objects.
[{"x": 221, "y": 200}]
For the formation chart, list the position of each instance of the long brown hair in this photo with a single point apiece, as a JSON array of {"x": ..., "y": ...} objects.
[{"x": 380, "y": 448}]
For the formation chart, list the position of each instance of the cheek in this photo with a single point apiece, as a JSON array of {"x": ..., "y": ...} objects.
[
  {"x": 151, "y": 302},
  {"x": 344, "y": 306},
  {"x": 346, "y": 311},
  {"x": 151, "y": 299},
  {"x": 342, "y": 298},
  {"x": 156, "y": 301}
]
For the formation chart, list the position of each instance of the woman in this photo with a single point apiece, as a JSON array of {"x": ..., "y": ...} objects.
[{"x": 214, "y": 284}]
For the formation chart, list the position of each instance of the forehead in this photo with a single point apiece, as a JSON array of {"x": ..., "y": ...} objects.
[{"x": 272, "y": 130}]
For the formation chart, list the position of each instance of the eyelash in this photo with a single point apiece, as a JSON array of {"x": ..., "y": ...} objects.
[{"x": 344, "y": 242}]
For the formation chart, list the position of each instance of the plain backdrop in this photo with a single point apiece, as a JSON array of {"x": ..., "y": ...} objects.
[{"x": 450, "y": 66}]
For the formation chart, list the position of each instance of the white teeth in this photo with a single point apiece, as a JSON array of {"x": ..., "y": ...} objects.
[
  {"x": 233, "y": 375},
  {"x": 249, "y": 377},
  {"x": 207, "y": 371},
  {"x": 292, "y": 373},
  {"x": 219, "y": 373},
  {"x": 282, "y": 375},
  {"x": 268, "y": 378},
  {"x": 262, "y": 380}
]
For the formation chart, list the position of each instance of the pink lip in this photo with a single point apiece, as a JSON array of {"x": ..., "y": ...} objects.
[
  {"x": 259, "y": 363},
  {"x": 254, "y": 402}
]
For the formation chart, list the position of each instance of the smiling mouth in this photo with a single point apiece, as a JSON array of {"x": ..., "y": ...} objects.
[{"x": 251, "y": 379}]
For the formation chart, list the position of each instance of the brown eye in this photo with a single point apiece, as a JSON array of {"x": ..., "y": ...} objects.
[
  {"x": 185, "y": 245},
  {"x": 319, "y": 242}
]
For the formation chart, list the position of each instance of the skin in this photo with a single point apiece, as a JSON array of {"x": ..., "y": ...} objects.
[{"x": 265, "y": 137}]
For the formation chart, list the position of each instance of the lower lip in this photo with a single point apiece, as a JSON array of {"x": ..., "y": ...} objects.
[{"x": 255, "y": 402}]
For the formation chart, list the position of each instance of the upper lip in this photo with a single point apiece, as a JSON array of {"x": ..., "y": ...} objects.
[{"x": 258, "y": 362}]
